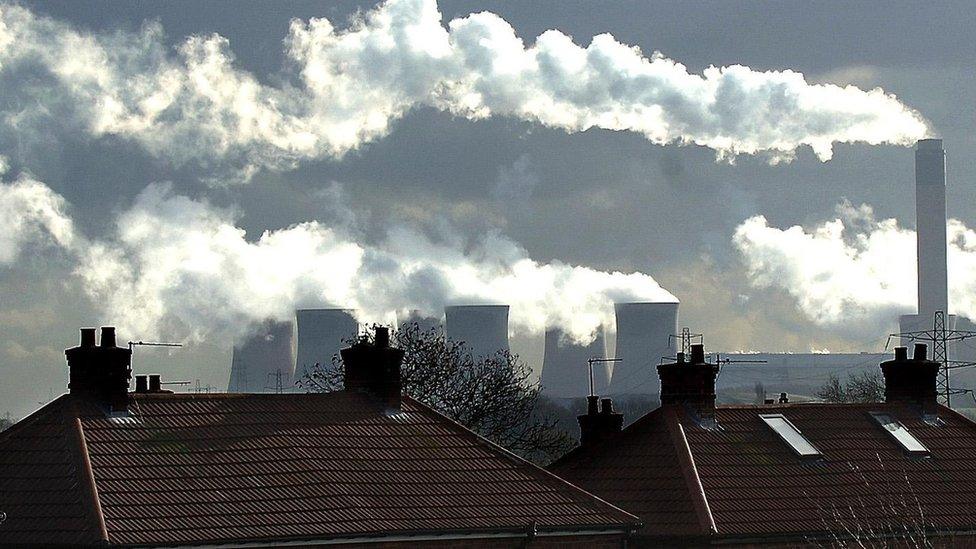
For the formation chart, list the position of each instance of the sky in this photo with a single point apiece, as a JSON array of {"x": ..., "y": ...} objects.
[{"x": 183, "y": 170}]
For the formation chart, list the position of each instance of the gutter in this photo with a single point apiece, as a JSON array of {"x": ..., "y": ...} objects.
[{"x": 527, "y": 534}]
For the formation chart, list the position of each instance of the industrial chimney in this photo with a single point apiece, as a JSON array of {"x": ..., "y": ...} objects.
[
  {"x": 484, "y": 328},
  {"x": 564, "y": 367},
  {"x": 643, "y": 335},
  {"x": 930, "y": 221},
  {"x": 100, "y": 373},
  {"x": 321, "y": 333}
]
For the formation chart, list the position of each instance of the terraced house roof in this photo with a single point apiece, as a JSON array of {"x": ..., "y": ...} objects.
[
  {"x": 184, "y": 469},
  {"x": 789, "y": 472}
]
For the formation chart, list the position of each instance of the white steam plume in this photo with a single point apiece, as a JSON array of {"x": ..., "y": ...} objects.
[
  {"x": 345, "y": 86},
  {"x": 178, "y": 267},
  {"x": 854, "y": 267},
  {"x": 31, "y": 213}
]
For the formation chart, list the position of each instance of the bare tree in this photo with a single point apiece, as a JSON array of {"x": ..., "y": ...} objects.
[
  {"x": 862, "y": 387},
  {"x": 490, "y": 395},
  {"x": 6, "y": 422}
]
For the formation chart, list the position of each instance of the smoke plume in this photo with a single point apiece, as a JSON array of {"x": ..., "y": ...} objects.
[
  {"x": 854, "y": 267},
  {"x": 345, "y": 86},
  {"x": 176, "y": 267}
]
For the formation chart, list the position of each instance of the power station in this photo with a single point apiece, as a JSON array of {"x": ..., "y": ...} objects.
[
  {"x": 321, "y": 333},
  {"x": 484, "y": 328},
  {"x": 930, "y": 224},
  {"x": 565, "y": 373},
  {"x": 644, "y": 332},
  {"x": 264, "y": 359}
]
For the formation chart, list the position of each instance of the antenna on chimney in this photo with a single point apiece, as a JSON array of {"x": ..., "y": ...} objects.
[
  {"x": 939, "y": 337},
  {"x": 149, "y": 344},
  {"x": 597, "y": 360}
]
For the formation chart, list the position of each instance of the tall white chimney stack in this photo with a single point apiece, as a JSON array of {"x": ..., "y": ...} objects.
[{"x": 930, "y": 221}]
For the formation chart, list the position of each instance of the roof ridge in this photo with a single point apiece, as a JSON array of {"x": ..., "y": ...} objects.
[
  {"x": 686, "y": 460},
  {"x": 86, "y": 477},
  {"x": 636, "y": 521}
]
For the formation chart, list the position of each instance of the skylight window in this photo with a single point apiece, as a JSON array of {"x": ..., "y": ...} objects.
[
  {"x": 905, "y": 439},
  {"x": 790, "y": 435}
]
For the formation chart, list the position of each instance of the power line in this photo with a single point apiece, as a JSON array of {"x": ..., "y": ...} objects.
[{"x": 939, "y": 337}]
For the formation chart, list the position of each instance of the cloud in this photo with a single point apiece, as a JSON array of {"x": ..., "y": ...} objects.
[
  {"x": 344, "y": 87},
  {"x": 854, "y": 268},
  {"x": 177, "y": 267},
  {"x": 32, "y": 214}
]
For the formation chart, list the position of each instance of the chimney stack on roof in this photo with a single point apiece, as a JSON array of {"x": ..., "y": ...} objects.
[
  {"x": 374, "y": 368},
  {"x": 100, "y": 373},
  {"x": 599, "y": 422},
  {"x": 911, "y": 380},
  {"x": 690, "y": 383}
]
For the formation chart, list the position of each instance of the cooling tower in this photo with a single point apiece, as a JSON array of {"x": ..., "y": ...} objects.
[
  {"x": 423, "y": 322},
  {"x": 260, "y": 356},
  {"x": 643, "y": 333},
  {"x": 484, "y": 328},
  {"x": 930, "y": 222},
  {"x": 564, "y": 367},
  {"x": 321, "y": 333}
]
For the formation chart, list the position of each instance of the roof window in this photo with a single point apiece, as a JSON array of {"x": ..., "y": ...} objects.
[
  {"x": 902, "y": 436},
  {"x": 790, "y": 435}
]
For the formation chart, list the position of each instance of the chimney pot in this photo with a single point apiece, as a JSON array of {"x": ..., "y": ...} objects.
[
  {"x": 599, "y": 422},
  {"x": 681, "y": 358},
  {"x": 912, "y": 380},
  {"x": 108, "y": 337},
  {"x": 382, "y": 337},
  {"x": 374, "y": 368},
  {"x": 690, "y": 383},
  {"x": 592, "y": 404},
  {"x": 901, "y": 353},
  {"x": 88, "y": 337},
  {"x": 100, "y": 373},
  {"x": 783, "y": 398},
  {"x": 142, "y": 384},
  {"x": 155, "y": 383},
  {"x": 921, "y": 352}
]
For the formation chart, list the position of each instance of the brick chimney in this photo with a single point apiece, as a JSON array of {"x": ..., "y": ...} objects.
[
  {"x": 374, "y": 367},
  {"x": 100, "y": 373},
  {"x": 911, "y": 380},
  {"x": 690, "y": 383},
  {"x": 597, "y": 425}
]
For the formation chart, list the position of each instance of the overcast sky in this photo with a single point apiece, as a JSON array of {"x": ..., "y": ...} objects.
[{"x": 574, "y": 207}]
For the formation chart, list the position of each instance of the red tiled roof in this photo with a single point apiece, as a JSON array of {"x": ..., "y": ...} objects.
[
  {"x": 753, "y": 484},
  {"x": 187, "y": 469}
]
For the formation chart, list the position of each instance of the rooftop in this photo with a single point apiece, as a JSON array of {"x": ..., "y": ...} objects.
[
  {"x": 738, "y": 478},
  {"x": 227, "y": 468}
]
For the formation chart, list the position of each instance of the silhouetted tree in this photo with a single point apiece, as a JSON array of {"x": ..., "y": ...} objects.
[
  {"x": 491, "y": 395},
  {"x": 862, "y": 387}
]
